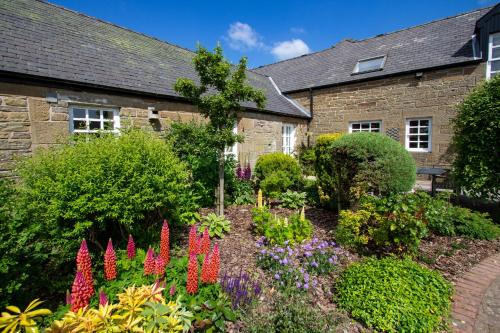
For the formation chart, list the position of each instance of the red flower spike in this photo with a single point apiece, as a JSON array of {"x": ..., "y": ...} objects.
[
  {"x": 205, "y": 270},
  {"x": 68, "y": 297},
  {"x": 192, "y": 275},
  {"x": 165, "y": 243},
  {"x": 130, "y": 248},
  {"x": 84, "y": 265},
  {"x": 205, "y": 242},
  {"x": 214, "y": 264},
  {"x": 149, "y": 263},
  {"x": 198, "y": 245},
  {"x": 79, "y": 293},
  {"x": 172, "y": 290},
  {"x": 159, "y": 265},
  {"x": 103, "y": 298},
  {"x": 193, "y": 239},
  {"x": 110, "y": 262}
]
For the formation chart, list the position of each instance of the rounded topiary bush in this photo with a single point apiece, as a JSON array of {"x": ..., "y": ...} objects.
[
  {"x": 276, "y": 172},
  {"x": 364, "y": 162},
  {"x": 393, "y": 295}
]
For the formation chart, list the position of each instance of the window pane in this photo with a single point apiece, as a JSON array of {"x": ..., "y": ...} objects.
[
  {"x": 413, "y": 145},
  {"x": 424, "y": 130},
  {"x": 495, "y": 65},
  {"x": 365, "y": 125},
  {"x": 94, "y": 114},
  {"x": 107, "y": 114},
  {"x": 95, "y": 125},
  {"x": 495, "y": 53},
  {"x": 79, "y": 124},
  {"x": 78, "y": 113},
  {"x": 370, "y": 65},
  {"x": 424, "y": 123},
  {"x": 414, "y": 130},
  {"x": 413, "y": 122},
  {"x": 413, "y": 138},
  {"x": 424, "y": 144},
  {"x": 355, "y": 126},
  {"x": 375, "y": 125},
  {"x": 496, "y": 40}
]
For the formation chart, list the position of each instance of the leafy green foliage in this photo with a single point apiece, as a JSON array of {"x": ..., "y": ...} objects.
[
  {"x": 292, "y": 199},
  {"x": 476, "y": 136},
  {"x": 326, "y": 181},
  {"x": 307, "y": 159},
  {"x": 276, "y": 172},
  {"x": 363, "y": 162},
  {"x": 369, "y": 229},
  {"x": 242, "y": 193},
  {"x": 107, "y": 187},
  {"x": 291, "y": 313},
  {"x": 279, "y": 230},
  {"x": 392, "y": 295},
  {"x": 441, "y": 217},
  {"x": 228, "y": 88},
  {"x": 194, "y": 143},
  {"x": 217, "y": 226}
]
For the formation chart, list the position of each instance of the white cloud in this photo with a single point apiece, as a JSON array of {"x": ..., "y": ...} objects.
[
  {"x": 290, "y": 49},
  {"x": 243, "y": 36}
]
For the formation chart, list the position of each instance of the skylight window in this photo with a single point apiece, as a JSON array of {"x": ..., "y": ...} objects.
[{"x": 369, "y": 65}]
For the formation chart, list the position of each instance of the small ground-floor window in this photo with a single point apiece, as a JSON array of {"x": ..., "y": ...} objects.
[
  {"x": 93, "y": 119},
  {"x": 365, "y": 126},
  {"x": 418, "y": 134},
  {"x": 288, "y": 131}
]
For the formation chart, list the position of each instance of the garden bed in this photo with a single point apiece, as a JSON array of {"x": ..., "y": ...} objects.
[{"x": 452, "y": 256}]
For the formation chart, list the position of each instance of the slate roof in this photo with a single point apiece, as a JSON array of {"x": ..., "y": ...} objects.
[
  {"x": 435, "y": 44},
  {"x": 45, "y": 40}
]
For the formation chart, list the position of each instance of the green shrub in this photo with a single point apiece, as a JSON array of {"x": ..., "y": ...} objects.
[
  {"x": 307, "y": 158},
  {"x": 441, "y": 217},
  {"x": 242, "y": 193},
  {"x": 476, "y": 137},
  {"x": 312, "y": 194},
  {"x": 291, "y": 313},
  {"x": 361, "y": 163},
  {"x": 371, "y": 230},
  {"x": 326, "y": 180},
  {"x": 195, "y": 145},
  {"x": 106, "y": 187},
  {"x": 392, "y": 295},
  {"x": 217, "y": 226},
  {"x": 292, "y": 199},
  {"x": 276, "y": 172},
  {"x": 279, "y": 230},
  {"x": 473, "y": 224}
]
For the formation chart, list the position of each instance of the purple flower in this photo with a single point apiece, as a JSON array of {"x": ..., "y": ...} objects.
[
  {"x": 263, "y": 251},
  {"x": 330, "y": 260},
  {"x": 306, "y": 286},
  {"x": 299, "y": 285},
  {"x": 306, "y": 277},
  {"x": 308, "y": 254},
  {"x": 314, "y": 264},
  {"x": 277, "y": 276}
]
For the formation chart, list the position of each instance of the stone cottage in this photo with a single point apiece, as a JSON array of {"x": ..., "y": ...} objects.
[{"x": 63, "y": 72}]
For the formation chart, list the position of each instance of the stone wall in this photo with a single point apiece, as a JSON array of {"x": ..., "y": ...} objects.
[
  {"x": 29, "y": 121},
  {"x": 392, "y": 101}
]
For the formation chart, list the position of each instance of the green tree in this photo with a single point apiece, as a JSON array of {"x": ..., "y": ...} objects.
[
  {"x": 221, "y": 90},
  {"x": 476, "y": 141}
]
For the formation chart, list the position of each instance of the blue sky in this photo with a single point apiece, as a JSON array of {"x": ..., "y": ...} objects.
[{"x": 267, "y": 31}]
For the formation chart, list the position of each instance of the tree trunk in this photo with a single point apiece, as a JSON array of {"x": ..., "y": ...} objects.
[{"x": 220, "y": 203}]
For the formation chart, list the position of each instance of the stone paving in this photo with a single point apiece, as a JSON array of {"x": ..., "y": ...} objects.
[{"x": 476, "y": 303}]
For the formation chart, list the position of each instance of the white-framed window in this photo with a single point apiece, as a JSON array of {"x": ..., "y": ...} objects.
[
  {"x": 288, "y": 132},
  {"x": 365, "y": 126},
  {"x": 493, "y": 64},
  {"x": 93, "y": 119},
  {"x": 233, "y": 150},
  {"x": 369, "y": 65},
  {"x": 419, "y": 134}
]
